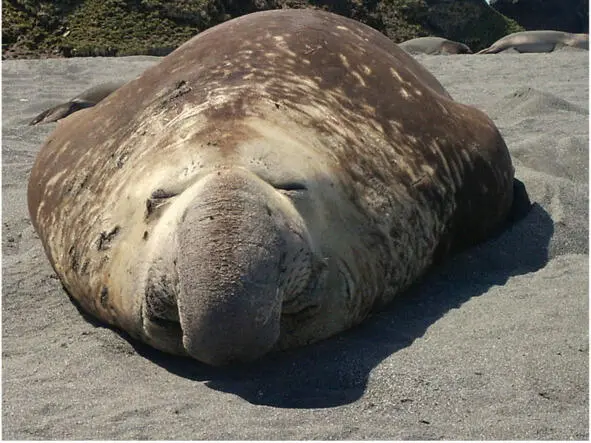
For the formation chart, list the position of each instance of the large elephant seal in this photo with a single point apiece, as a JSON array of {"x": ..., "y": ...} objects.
[
  {"x": 434, "y": 46},
  {"x": 538, "y": 41},
  {"x": 86, "y": 99},
  {"x": 264, "y": 186}
]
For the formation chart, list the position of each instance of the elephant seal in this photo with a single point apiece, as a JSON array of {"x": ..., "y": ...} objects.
[
  {"x": 434, "y": 45},
  {"x": 264, "y": 186},
  {"x": 538, "y": 41},
  {"x": 86, "y": 99}
]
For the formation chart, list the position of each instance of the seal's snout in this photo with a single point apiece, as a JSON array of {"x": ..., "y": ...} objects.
[{"x": 233, "y": 241}]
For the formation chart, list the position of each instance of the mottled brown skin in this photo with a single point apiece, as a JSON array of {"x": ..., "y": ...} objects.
[{"x": 265, "y": 186}]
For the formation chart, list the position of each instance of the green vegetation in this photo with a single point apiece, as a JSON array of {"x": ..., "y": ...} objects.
[{"x": 125, "y": 27}]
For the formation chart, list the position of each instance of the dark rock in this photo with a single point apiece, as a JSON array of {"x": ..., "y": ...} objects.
[
  {"x": 471, "y": 22},
  {"x": 559, "y": 15}
]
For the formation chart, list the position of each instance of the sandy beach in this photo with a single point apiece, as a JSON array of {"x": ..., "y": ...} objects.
[{"x": 491, "y": 345}]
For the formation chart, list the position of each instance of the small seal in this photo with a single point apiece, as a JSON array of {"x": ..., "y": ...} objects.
[
  {"x": 434, "y": 46},
  {"x": 265, "y": 186},
  {"x": 538, "y": 41},
  {"x": 86, "y": 99}
]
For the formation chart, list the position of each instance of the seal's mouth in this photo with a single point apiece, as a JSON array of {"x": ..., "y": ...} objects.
[{"x": 243, "y": 259}]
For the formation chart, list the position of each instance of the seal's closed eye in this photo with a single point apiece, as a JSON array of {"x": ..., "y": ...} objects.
[{"x": 291, "y": 186}]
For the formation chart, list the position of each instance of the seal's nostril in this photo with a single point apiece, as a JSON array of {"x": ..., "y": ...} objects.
[{"x": 157, "y": 201}]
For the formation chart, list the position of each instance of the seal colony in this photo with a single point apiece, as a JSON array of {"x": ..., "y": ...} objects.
[{"x": 265, "y": 186}]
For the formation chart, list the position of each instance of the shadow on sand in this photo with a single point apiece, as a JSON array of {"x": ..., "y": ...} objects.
[{"x": 335, "y": 371}]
